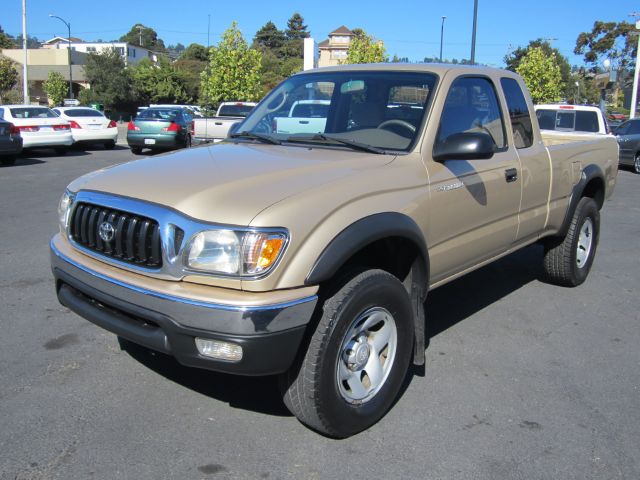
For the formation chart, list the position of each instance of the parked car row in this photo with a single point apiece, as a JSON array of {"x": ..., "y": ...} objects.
[{"x": 33, "y": 126}]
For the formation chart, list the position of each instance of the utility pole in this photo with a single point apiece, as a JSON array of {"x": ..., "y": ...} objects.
[
  {"x": 442, "y": 36},
  {"x": 140, "y": 29},
  {"x": 473, "y": 35},
  {"x": 25, "y": 84},
  {"x": 634, "y": 93}
]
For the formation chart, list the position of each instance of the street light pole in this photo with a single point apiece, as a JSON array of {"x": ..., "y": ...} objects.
[
  {"x": 68, "y": 52},
  {"x": 442, "y": 36},
  {"x": 473, "y": 35},
  {"x": 25, "y": 66},
  {"x": 634, "y": 93}
]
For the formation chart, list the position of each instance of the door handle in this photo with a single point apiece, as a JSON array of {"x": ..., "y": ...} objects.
[{"x": 511, "y": 175}]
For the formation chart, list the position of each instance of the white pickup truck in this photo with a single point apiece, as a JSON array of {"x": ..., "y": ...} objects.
[
  {"x": 305, "y": 116},
  {"x": 215, "y": 129},
  {"x": 584, "y": 119}
]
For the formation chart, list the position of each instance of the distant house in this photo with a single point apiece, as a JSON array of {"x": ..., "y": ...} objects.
[
  {"x": 131, "y": 54},
  {"x": 334, "y": 49}
]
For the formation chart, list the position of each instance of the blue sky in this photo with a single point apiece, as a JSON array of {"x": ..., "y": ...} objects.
[{"x": 409, "y": 28}]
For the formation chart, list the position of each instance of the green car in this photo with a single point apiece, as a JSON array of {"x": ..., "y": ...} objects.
[{"x": 160, "y": 128}]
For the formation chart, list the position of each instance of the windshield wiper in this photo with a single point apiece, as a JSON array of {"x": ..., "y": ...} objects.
[
  {"x": 320, "y": 137},
  {"x": 256, "y": 136}
]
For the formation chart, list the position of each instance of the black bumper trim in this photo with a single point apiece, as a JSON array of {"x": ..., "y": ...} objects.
[{"x": 263, "y": 354}]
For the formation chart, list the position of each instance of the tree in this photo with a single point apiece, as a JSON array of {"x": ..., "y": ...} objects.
[
  {"x": 189, "y": 72},
  {"x": 195, "y": 51},
  {"x": 364, "y": 49},
  {"x": 56, "y": 88},
  {"x": 612, "y": 41},
  {"x": 148, "y": 36},
  {"x": 32, "y": 42},
  {"x": 109, "y": 79},
  {"x": 6, "y": 41},
  {"x": 608, "y": 40},
  {"x": 8, "y": 77},
  {"x": 160, "y": 83},
  {"x": 295, "y": 34},
  {"x": 233, "y": 72},
  {"x": 296, "y": 29},
  {"x": 513, "y": 59},
  {"x": 269, "y": 38},
  {"x": 542, "y": 75}
]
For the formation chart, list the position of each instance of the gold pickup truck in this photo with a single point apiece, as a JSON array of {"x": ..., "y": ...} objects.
[{"x": 310, "y": 254}]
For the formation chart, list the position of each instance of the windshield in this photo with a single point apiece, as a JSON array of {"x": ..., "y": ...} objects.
[
  {"x": 32, "y": 112},
  {"x": 235, "y": 110},
  {"x": 378, "y": 109},
  {"x": 83, "y": 112},
  {"x": 158, "y": 114}
]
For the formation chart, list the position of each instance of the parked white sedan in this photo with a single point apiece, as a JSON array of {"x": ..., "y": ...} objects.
[
  {"x": 39, "y": 127},
  {"x": 89, "y": 126}
]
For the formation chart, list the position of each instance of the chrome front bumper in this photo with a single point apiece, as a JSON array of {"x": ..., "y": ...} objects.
[{"x": 269, "y": 334}]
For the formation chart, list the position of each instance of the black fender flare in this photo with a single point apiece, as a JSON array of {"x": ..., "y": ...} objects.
[
  {"x": 360, "y": 234},
  {"x": 588, "y": 173},
  {"x": 364, "y": 232}
]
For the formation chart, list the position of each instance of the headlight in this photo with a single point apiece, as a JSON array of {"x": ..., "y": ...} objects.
[
  {"x": 235, "y": 252},
  {"x": 64, "y": 207}
]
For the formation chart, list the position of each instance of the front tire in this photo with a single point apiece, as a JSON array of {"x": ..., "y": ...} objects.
[
  {"x": 7, "y": 161},
  {"x": 636, "y": 163},
  {"x": 357, "y": 357},
  {"x": 567, "y": 261}
]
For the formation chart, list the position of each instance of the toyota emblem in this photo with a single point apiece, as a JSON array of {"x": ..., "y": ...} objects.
[{"x": 106, "y": 231}]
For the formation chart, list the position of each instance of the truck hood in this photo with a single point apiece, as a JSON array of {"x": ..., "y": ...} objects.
[{"x": 228, "y": 183}]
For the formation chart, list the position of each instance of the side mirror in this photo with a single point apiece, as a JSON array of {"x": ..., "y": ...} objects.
[
  {"x": 233, "y": 128},
  {"x": 465, "y": 146}
]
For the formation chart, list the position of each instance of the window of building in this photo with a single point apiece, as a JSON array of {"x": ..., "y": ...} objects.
[
  {"x": 518, "y": 112},
  {"x": 120, "y": 51},
  {"x": 91, "y": 49}
]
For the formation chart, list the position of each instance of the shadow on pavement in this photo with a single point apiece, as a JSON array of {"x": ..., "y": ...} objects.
[
  {"x": 445, "y": 307},
  {"x": 258, "y": 394},
  {"x": 460, "y": 299}
]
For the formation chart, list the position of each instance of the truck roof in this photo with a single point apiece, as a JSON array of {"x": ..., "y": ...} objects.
[{"x": 437, "y": 68}]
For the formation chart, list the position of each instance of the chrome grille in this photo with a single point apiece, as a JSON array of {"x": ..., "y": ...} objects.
[{"x": 126, "y": 237}]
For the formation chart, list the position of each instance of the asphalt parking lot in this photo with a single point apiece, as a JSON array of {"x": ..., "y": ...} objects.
[{"x": 523, "y": 380}]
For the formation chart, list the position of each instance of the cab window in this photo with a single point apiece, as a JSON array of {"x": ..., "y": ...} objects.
[
  {"x": 472, "y": 106},
  {"x": 518, "y": 113}
]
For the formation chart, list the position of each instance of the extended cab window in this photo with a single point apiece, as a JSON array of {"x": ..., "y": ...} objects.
[
  {"x": 472, "y": 106},
  {"x": 518, "y": 113}
]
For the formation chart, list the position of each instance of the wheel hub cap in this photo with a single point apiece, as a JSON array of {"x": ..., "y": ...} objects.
[
  {"x": 585, "y": 242},
  {"x": 367, "y": 354},
  {"x": 356, "y": 355}
]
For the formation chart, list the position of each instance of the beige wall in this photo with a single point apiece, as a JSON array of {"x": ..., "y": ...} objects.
[{"x": 44, "y": 56}]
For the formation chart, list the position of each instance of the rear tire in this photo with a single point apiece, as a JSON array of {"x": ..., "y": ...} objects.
[
  {"x": 136, "y": 150},
  {"x": 109, "y": 145},
  {"x": 636, "y": 163},
  {"x": 567, "y": 261},
  {"x": 61, "y": 150},
  {"x": 357, "y": 357},
  {"x": 7, "y": 161}
]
